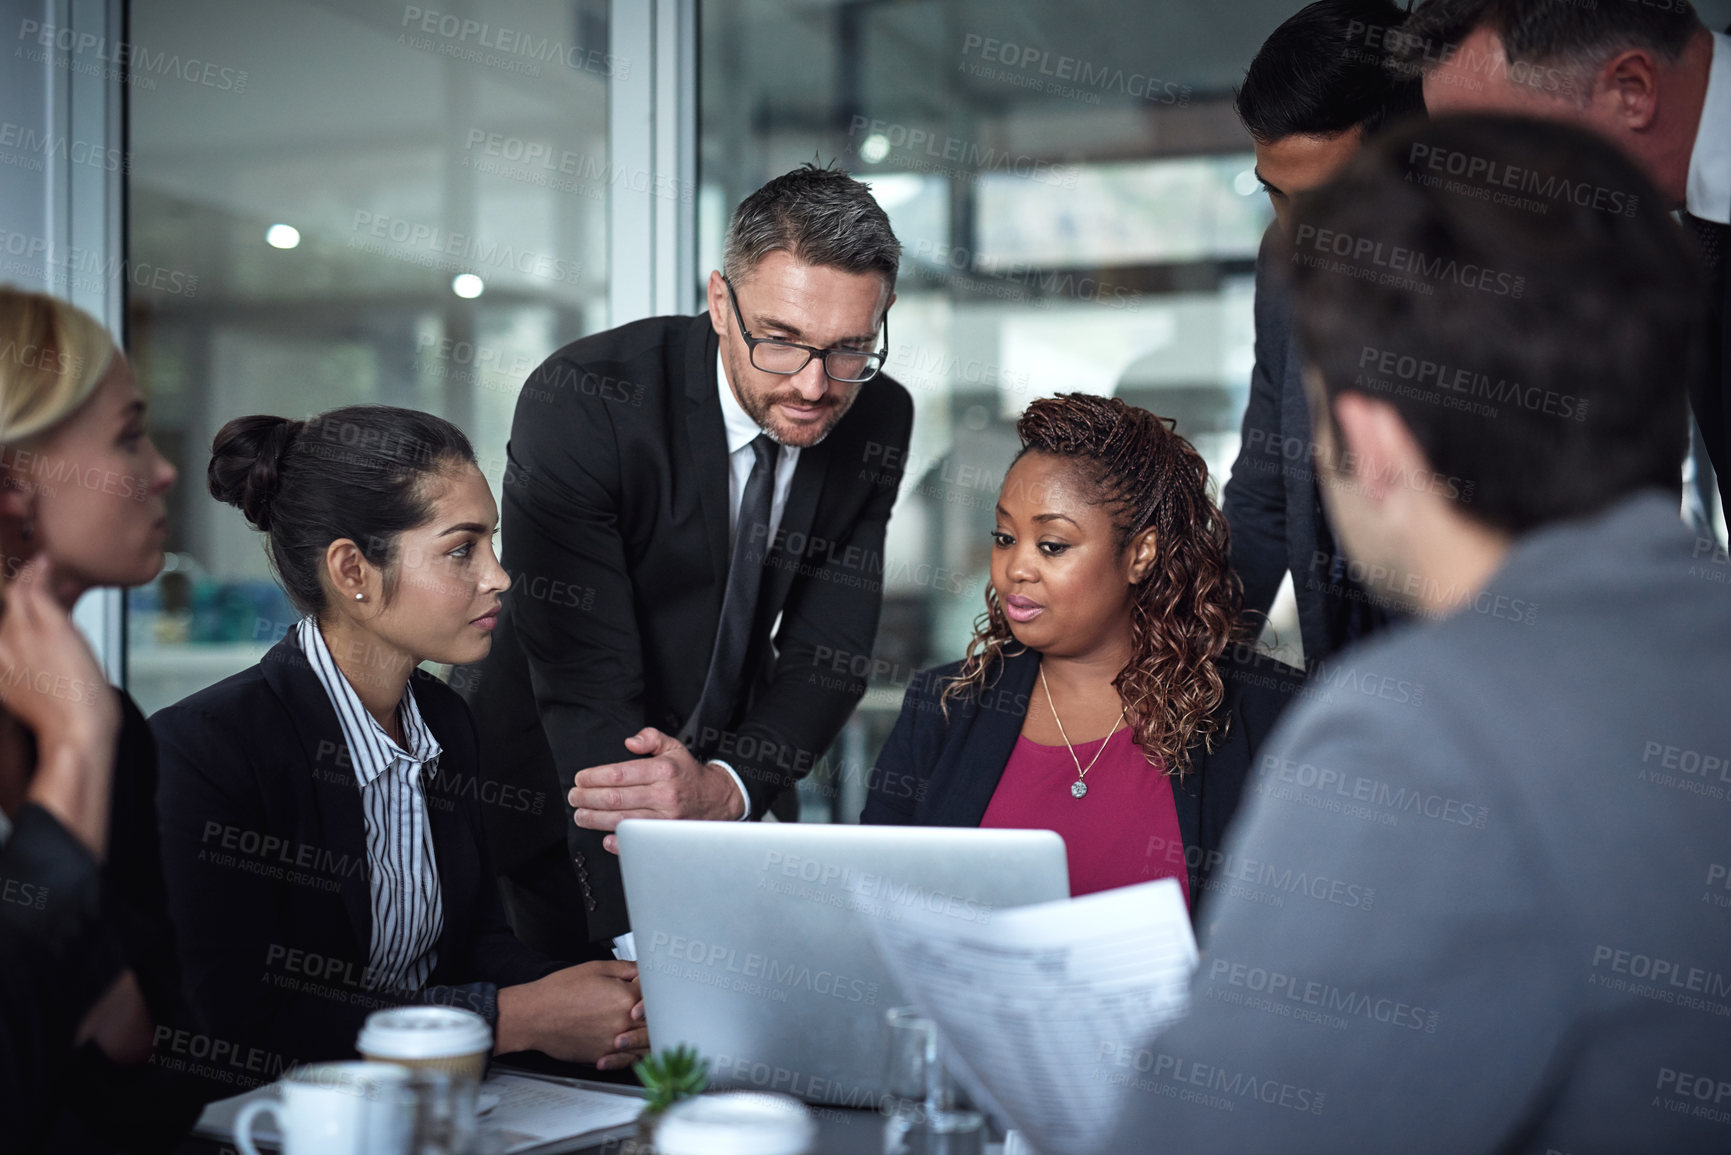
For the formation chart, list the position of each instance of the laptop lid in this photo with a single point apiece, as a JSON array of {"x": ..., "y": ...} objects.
[{"x": 753, "y": 942}]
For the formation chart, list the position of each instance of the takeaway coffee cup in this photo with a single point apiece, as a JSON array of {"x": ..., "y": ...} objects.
[
  {"x": 436, "y": 1038},
  {"x": 336, "y": 1109}
]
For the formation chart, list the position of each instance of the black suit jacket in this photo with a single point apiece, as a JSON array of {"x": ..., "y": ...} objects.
[
  {"x": 1271, "y": 501},
  {"x": 615, "y": 523},
  {"x": 1709, "y": 389},
  {"x": 69, "y": 926},
  {"x": 264, "y": 850},
  {"x": 938, "y": 771}
]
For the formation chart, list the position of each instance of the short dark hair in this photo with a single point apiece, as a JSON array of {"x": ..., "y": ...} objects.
[
  {"x": 1325, "y": 71},
  {"x": 822, "y": 216},
  {"x": 360, "y": 472},
  {"x": 1537, "y": 346},
  {"x": 1546, "y": 31}
]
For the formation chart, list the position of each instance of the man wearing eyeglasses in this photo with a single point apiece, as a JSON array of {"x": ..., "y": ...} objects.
[{"x": 693, "y": 521}]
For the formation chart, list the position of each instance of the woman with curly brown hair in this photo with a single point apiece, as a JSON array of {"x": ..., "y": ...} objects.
[{"x": 1105, "y": 694}]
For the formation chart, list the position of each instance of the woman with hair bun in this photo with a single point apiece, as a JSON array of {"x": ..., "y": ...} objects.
[
  {"x": 1104, "y": 695},
  {"x": 87, "y": 965},
  {"x": 321, "y": 819}
]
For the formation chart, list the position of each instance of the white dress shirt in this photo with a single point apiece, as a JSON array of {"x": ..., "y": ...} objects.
[
  {"x": 741, "y": 432},
  {"x": 1709, "y": 189},
  {"x": 403, "y": 878}
]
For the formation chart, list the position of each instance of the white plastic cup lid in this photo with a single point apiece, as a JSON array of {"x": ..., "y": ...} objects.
[
  {"x": 424, "y": 1033},
  {"x": 736, "y": 1123}
]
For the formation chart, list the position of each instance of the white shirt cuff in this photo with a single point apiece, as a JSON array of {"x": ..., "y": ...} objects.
[
  {"x": 625, "y": 947},
  {"x": 739, "y": 782}
]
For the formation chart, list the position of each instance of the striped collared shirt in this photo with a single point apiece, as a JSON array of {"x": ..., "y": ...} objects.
[{"x": 408, "y": 908}]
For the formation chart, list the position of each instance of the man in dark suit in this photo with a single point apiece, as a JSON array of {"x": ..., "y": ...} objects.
[
  {"x": 695, "y": 530},
  {"x": 1318, "y": 86},
  {"x": 1483, "y": 918},
  {"x": 1655, "y": 82}
]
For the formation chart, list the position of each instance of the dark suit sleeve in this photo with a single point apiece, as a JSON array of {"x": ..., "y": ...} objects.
[
  {"x": 495, "y": 950},
  {"x": 57, "y": 956},
  {"x": 1255, "y": 496},
  {"x": 832, "y": 608},
  {"x": 573, "y": 603},
  {"x": 898, "y": 779}
]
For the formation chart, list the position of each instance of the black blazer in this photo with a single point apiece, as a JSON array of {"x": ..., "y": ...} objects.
[
  {"x": 68, "y": 927},
  {"x": 1709, "y": 390},
  {"x": 1271, "y": 500},
  {"x": 615, "y": 523},
  {"x": 938, "y": 772},
  {"x": 264, "y": 849}
]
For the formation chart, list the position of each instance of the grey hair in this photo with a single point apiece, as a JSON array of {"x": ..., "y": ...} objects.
[{"x": 821, "y": 216}]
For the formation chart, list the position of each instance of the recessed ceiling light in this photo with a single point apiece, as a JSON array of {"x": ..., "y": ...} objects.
[
  {"x": 1246, "y": 183},
  {"x": 874, "y": 148},
  {"x": 467, "y": 286},
  {"x": 282, "y": 236}
]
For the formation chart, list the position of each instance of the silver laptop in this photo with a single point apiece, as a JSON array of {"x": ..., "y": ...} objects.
[{"x": 754, "y": 947}]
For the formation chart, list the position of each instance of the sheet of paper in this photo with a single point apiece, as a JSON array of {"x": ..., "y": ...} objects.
[
  {"x": 531, "y": 1112},
  {"x": 1043, "y": 1007}
]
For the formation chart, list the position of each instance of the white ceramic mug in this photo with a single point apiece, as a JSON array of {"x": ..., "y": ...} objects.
[{"x": 336, "y": 1109}]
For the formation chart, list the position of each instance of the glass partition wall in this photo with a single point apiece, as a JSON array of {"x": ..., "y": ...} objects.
[
  {"x": 366, "y": 200},
  {"x": 358, "y": 201}
]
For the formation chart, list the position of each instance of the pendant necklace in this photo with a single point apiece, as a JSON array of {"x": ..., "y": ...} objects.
[{"x": 1078, "y": 788}]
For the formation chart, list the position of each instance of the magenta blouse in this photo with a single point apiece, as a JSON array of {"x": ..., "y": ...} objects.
[{"x": 1114, "y": 836}]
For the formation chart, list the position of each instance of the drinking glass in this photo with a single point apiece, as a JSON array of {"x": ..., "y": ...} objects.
[{"x": 925, "y": 1110}]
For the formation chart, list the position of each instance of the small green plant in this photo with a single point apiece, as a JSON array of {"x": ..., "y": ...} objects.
[{"x": 670, "y": 1076}]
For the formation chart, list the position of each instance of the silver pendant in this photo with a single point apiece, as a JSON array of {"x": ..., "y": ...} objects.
[{"x": 1078, "y": 788}]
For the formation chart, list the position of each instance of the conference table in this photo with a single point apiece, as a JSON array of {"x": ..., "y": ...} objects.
[{"x": 841, "y": 1131}]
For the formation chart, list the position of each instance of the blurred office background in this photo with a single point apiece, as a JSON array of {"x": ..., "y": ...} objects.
[{"x": 369, "y": 201}]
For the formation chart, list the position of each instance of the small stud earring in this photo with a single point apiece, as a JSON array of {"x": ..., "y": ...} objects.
[{"x": 360, "y": 597}]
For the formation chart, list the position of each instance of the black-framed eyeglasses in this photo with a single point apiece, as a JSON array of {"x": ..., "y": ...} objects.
[{"x": 786, "y": 358}]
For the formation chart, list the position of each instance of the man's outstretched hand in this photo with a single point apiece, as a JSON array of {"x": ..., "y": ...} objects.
[{"x": 665, "y": 781}]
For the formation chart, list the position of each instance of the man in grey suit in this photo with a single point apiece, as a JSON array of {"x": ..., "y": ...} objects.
[
  {"x": 1477, "y": 900},
  {"x": 1318, "y": 87}
]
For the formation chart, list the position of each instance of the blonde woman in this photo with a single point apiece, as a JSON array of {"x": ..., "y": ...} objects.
[{"x": 87, "y": 972}]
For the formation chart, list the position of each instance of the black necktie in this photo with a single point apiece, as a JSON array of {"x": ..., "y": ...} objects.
[{"x": 739, "y": 603}]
